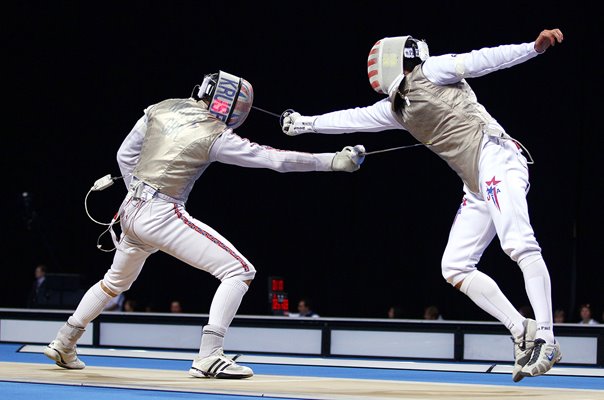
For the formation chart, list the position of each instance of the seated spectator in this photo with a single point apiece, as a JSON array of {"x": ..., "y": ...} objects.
[
  {"x": 304, "y": 309},
  {"x": 585, "y": 312},
  {"x": 526, "y": 311},
  {"x": 432, "y": 313},
  {"x": 559, "y": 316},
  {"x": 116, "y": 303},
  {"x": 395, "y": 312},
  {"x": 176, "y": 307},
  {"x": 130, "y": 305}
]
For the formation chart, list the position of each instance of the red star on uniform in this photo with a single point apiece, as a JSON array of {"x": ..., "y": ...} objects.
[{"x": 492, "y": 182}]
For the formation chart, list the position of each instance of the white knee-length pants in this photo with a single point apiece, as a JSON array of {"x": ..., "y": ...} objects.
[
  {"x": 499, "y": 209},
  {"x": 150, "y": 224}
]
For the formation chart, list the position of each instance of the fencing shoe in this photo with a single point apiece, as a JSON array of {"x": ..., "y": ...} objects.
[
  {"x": 62, "y": 350},
  {"x": 523, "y": 347},
  {"x": 217, "y": 365},
  {"x": 543, "y": 358},
  {"x": 65, "y": 357}
]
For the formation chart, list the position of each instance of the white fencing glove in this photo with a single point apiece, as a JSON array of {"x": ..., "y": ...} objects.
[
  {"x": 349, "y": 159},
  {"x": 293, "y": 124}
]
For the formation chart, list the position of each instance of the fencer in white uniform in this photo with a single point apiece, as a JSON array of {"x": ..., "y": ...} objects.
[
  {"x": 162, "y": 157},
  {"x": 429, "y": 97}
]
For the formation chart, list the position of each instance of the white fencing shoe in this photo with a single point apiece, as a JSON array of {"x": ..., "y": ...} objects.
[
  {"x": 65, "y": 357},
  {"x": 523, "y": 347},
  {"x": 543, "y": 359},
  {"x": 217, "y": 365}
]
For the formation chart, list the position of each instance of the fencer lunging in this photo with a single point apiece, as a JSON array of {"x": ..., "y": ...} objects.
[
  {"x": 162, "y": 157},
  {"x": 430, "y": 98}
]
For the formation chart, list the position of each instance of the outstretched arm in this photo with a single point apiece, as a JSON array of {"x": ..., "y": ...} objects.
[
  {"x": 231, "y": 148},
  {"x": 374, "y": 118},
  {"x": 451, "y": 68}
]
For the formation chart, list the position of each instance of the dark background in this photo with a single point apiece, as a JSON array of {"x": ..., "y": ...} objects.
[{"x": 76, "y": 77}]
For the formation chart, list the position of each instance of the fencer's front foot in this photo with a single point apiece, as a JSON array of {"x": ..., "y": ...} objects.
[
  {"x": 543, "y": 358},
  {"x": 218, "y": 366},
  {"x": 64, "y": 357},
  {"x": 62, "y": 350}
]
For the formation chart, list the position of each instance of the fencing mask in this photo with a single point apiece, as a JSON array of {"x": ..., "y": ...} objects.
[
  {"x": 389, "y": 56},
  {"x": 229, "y": 97}
]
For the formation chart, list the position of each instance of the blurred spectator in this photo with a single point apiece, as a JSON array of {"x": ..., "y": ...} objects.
[
  {"x": 395, "y": 312},
  {"x": 130, "y": 305},
  {"x": 176, "y": 307},
  {"x": 38, "y": 294},
  {"x": 116, "y": 303},
  {"x": 431, "y": 312},
  {"x": 526, "y": 311},
  {"x": 585, "y": 312},
  {"x": 304, "y": 309},
  {"x": 559, "y": 316}
]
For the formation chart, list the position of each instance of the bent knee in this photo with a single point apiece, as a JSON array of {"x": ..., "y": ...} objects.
[
  {"x": 107, "y": 290},
  {"x": 455, "y": 272},
  {"x": 245, "y": 275},
  {"x": 114, "y": 287}
]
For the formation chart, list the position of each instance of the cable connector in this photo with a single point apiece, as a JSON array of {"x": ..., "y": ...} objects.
[{"x": 103, "y": 183}]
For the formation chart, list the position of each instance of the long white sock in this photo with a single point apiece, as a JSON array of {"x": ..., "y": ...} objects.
[
  {"x": 212, "y": 338},
  {"x": 69, "y": 335},
  {"x": 486, "y": 294},
  {"x": 91, "y": 305},
  {"x": 222, "y": 311},
  {"x": 538, "y": 289}
]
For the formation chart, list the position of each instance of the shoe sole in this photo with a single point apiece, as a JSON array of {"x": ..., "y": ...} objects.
[
  {"x": 194, "y": 372},
  {"x": 56, "y": 357},
  {"x": 529, "y": 375},
  {"x": 517, "y": 375},
  {"x": 230, "y": 376}
]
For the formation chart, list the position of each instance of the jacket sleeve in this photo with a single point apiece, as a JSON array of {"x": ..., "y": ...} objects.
[
  {"x": 374, "y": 118},
  {"x": 451, "y": 68},
  {"x": 232, "y": 149}
]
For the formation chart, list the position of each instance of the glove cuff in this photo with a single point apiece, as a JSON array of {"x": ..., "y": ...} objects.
[{"x": 304, "y": 125}]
